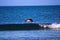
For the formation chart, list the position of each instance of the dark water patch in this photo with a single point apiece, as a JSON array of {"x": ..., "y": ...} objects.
[{"x": 20, "y": 27}]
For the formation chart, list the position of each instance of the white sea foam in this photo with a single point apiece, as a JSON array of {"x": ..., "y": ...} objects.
[
  {"x": 51, "y": 26},
  {"x": 54, "y": 25}
]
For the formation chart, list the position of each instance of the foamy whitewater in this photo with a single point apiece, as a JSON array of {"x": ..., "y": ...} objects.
[{"x": 52, "y": 26}]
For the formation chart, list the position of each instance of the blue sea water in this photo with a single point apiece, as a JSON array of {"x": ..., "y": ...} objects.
[
  {"x": 30, "y": 35},
  {"x": 39, "y": 14}
]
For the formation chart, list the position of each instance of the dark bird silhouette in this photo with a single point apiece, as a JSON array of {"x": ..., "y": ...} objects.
[{"x": 28, "y": 20}]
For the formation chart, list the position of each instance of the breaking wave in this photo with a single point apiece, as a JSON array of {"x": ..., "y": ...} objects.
[{"x": 54, "y": 25}]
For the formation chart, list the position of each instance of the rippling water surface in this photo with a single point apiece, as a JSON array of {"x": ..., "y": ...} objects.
[
  {"x": 30, "y": 35},
  {"x": 40, "y": 14}
]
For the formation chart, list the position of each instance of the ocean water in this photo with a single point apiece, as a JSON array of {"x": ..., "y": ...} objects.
[
  {"x": 39, "y": 14},
  {"x": 30, "y": 35}
]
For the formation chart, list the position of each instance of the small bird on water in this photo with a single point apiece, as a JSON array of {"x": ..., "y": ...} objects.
[{"x": 28, "y": 20}]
